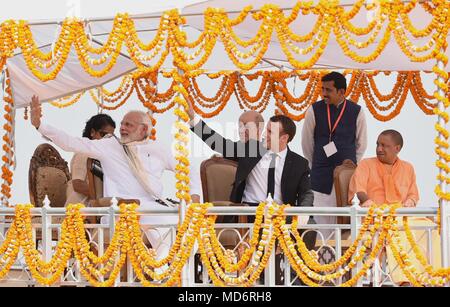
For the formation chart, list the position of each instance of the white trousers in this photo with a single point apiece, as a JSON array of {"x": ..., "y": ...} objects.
[{"x": 325, "y": 200}]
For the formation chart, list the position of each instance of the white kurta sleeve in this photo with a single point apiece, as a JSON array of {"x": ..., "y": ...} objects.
[
  {"x": 361, "y": 135},
  {"x": 309, "y": 124},
  {"x": 93, "y": 148}
]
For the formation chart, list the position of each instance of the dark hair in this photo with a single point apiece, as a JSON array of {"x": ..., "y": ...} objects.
[
  {"x": 288, "y": 125},
  {"x": 97, "y": 122},
  {"x": 339, "y": 80},
  {"x": 395, "y": 136}
]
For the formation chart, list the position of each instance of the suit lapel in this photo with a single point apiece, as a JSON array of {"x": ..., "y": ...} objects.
[
  {"x": 249, "y": 163},
  {"x": 287, "y": 169}
]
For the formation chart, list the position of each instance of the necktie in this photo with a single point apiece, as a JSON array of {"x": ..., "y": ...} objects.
[{"x": 271, "y": 177}]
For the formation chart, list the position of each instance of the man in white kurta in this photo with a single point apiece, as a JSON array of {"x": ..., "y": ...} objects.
[{"x": 119, "y": 179}]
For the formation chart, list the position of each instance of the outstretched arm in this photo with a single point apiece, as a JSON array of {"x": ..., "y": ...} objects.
[
  {"x": 227, "y": 148},
  {"x": 93, "y": 148}
]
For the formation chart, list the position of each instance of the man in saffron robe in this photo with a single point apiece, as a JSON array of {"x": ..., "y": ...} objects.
[{"x": 387, "y": 179}]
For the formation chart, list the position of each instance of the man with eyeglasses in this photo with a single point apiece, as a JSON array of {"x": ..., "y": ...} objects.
[{"x": 133, "y": 164}]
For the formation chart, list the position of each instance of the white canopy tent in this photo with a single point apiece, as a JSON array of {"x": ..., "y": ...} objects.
[{"x": 99, "y": 17}]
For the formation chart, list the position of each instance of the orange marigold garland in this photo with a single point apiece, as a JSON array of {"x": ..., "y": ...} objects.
[{"x": 8, "y": 141}]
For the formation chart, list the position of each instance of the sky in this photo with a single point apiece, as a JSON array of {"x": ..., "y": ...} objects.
[{"x": 416, "y": 127}]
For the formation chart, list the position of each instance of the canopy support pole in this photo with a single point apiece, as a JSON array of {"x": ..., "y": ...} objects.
[
  {"x": 440, "y": 94},
  {"x": 186, "y": 271}
]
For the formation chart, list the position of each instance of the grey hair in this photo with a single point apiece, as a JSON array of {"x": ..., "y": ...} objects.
[{"x": 145, "y": 117}]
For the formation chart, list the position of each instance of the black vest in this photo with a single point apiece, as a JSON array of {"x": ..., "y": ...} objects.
[{"x": 344, "y": 137}]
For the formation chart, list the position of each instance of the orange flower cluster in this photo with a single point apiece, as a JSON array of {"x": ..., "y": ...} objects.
[{"x": 272, "y": 84}]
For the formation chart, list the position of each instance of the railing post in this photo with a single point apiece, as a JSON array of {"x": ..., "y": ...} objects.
[
  {"x": 185, "y": 273},
  {"x": 112, "y": 225},
  {"x": 269, "y": 271},
  {"x": 354, "y": 233},
  {"x": 445, "y": 248},
  {"x": 376, "y": 267},
  {"x": 46, "y": 231}
]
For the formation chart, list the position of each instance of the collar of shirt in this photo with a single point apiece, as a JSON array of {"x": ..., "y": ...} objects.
[
  {"x": 339, "y": 104},
  {"x": 282, "y": 154}
]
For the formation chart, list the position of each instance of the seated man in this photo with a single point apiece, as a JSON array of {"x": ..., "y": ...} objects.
[
  {"x": 132, "y": 165},
  {"x": 97, "y": 127},
  {"x": 388, "y": 180},
  {"x": 264, "y": 168}
]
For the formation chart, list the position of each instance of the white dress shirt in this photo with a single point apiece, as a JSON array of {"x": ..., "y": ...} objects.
[
  {"x": 119, "y": 180},
  {"x": 256, "y": 185},
  {"x": 309, "y": 125}
]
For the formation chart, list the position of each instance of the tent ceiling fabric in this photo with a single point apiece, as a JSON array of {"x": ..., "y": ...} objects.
[
  {"x": 73, "y": 78},
  {"x": 52, "y": 10},
  {"x": 70, "y": 80}
]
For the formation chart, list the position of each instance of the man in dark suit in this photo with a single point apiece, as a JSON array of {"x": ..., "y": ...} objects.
[{"x": 264, "y": 168}]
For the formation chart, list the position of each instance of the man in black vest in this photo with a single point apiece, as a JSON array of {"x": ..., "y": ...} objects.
[
  {"x": 334, "y": 132},
  {"x": 264, "y": 168}
]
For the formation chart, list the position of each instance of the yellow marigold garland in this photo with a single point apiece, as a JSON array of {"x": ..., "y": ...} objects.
[
  {"x": 391, "y": 18},
  {"x": 8, "y": 142}
]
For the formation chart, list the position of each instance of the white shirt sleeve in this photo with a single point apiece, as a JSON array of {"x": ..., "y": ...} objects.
[
  {"x": 309, "y": 125},
  {"x": 361, "y": 135},
  {"x": 93, "y": 148}
]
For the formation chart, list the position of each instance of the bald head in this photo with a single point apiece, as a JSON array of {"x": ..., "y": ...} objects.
[
  {"x": 395, "y": 136},
  {"x": 389, "y": 144},
  {"x": 251, "y": 125}
]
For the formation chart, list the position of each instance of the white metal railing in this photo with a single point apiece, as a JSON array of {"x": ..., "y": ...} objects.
[{"x": 277, "y": 272}]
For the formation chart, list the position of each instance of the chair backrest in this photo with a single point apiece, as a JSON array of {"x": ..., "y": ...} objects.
[
  {"x": 48, "y": 175},
  {"x": 342, "y": 176},
  {"x": 217, "y": 175},
  {"x": 95, "y": 182}
]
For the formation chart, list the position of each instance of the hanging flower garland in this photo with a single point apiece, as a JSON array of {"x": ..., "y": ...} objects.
[
  {"x": 391, "y": 19},
  {"x": 273, "y": 83},
  {"x": 8, "y": 142},
  {"x": 182, "y": 139}
]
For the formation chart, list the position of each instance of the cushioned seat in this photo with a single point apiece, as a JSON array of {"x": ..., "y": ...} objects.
[
  {"x": 342, "y": 176},
  {"x": 217, "y": 176},
  {"x": 48, "y": 175}
]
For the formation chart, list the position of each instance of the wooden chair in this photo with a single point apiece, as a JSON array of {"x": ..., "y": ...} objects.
[
  {"x": 48, "y": 175},
  {"x": 342, "y": 175},
  {"x": 217, "y": 175}
]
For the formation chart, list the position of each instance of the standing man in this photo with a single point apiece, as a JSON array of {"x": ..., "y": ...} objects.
[{"x": 334, "y": 133}]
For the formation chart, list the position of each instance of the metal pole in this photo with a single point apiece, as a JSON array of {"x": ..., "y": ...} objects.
[
  {"x": 445, "y": 248},
  {"x": 442, "y": 183},
  {"x": 269, "y": 271},
  {"x": 46, "y": 231},
  {"x": 354, "y": 233},
  {"x": 186, "y": 272},
  {"x": 112, "y": 225}
]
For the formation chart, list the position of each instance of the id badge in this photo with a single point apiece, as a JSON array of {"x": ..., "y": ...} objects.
[{"x": 330, "y": 149}]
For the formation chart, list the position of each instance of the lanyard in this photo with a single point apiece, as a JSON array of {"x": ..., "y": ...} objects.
[{"x": 337, "y": 120}]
